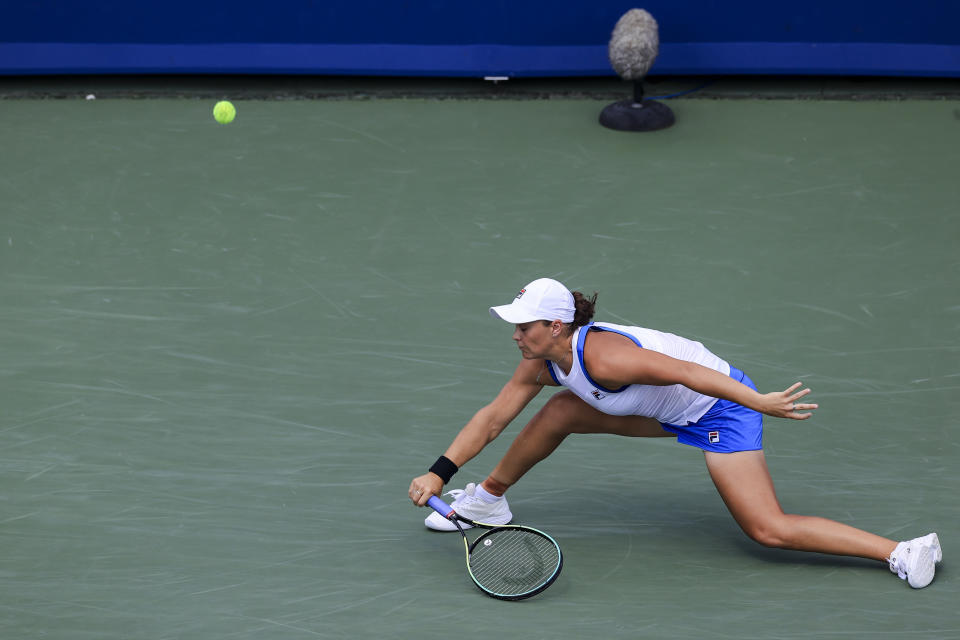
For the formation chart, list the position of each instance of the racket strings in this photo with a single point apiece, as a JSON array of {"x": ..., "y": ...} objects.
[{"x": 514, "y": 561}]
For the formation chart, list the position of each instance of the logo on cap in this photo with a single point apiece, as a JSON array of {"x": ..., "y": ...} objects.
[{"x": 520, "y": 295}]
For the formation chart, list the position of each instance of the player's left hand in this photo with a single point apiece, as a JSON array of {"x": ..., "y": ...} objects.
[{"x": 784, "y": 404}]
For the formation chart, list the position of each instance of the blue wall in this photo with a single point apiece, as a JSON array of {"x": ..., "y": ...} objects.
[{"x": 469, "y": 38}]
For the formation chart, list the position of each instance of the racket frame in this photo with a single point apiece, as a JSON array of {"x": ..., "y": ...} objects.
[{"x": 448, "y": 512}]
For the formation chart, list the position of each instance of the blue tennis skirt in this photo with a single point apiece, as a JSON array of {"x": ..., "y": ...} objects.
[{"x": 726, "y": 428}]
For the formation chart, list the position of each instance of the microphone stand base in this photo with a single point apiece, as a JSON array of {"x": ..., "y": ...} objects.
[{"x": 627, "y": 115}]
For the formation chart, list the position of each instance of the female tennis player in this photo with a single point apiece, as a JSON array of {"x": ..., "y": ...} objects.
[{"x": 638, "y": 382}]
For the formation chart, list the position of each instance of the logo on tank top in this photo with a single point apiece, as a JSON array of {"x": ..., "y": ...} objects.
[{"x": 596, "y": 394}]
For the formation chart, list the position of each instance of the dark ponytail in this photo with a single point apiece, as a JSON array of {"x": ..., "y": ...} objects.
[{"x": 585, "y": 308}]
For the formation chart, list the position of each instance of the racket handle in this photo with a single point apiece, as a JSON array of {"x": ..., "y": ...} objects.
[{"x": 440, "y": 506}]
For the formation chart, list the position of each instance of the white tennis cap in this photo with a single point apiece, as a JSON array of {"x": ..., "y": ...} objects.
[{"x": 542, "y": 299}]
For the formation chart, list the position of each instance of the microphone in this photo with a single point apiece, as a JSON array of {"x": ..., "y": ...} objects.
[{"x": 633, "y": 48}]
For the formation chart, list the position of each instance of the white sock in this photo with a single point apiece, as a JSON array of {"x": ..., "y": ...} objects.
[
  {"x": 485, "y": 495},
  {"x": 901, "y": 549},
  {"x": 895, "y": 556}
]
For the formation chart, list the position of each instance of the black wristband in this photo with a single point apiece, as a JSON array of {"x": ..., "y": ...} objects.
[{"x": 444, "y": 468}]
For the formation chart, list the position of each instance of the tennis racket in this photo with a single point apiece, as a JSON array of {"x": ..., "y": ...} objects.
[{"x": 508, "y": 562}]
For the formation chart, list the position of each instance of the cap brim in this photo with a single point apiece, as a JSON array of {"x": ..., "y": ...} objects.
[{"x": 513, "y": 313}]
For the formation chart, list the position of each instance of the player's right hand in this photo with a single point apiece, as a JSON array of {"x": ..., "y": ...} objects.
[{"x": 422, "y": 487}]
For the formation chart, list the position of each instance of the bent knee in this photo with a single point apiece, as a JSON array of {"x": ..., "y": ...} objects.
[
  {"x": 569, "y": 413},
  {"x": 772, "y": 534},
  {"x": 565, "y": 402},
  {"x": 563, "y": 408}
]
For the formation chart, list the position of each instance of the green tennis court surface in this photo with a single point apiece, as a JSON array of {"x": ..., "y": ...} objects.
[{"x": 225, "y": 350}]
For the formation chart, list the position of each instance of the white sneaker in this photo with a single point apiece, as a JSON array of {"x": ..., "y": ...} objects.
[
  {"x": 467, "y": 504},
  {"x": 915, "y": 560}
]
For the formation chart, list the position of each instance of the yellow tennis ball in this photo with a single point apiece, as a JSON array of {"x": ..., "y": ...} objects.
[{"x": 224, "y": 112}]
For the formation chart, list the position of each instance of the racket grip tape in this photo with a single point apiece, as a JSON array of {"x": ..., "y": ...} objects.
[{"x": 440, "y": 506}]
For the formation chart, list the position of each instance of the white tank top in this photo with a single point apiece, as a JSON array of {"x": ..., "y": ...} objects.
[{"x": 674, "y": 404}]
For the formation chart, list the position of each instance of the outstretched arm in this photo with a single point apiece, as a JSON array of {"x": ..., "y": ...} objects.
[
  {"x": 618, "y": 366},
  {"x": 779, "y": 404},
  {"x": 483, "y": 427}
]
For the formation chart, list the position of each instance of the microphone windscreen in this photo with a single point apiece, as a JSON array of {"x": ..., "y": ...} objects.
[{"x": 634, "y": 44}]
